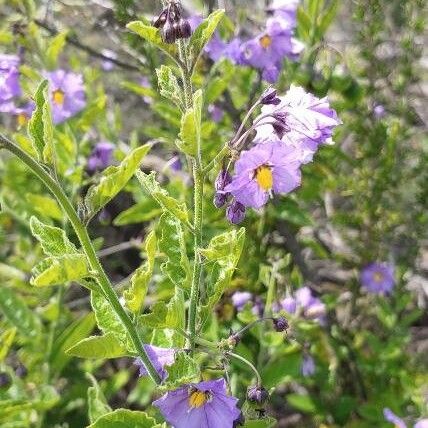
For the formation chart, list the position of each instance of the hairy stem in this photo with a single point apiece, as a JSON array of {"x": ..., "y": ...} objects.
[{"x": 88, "y": 249}]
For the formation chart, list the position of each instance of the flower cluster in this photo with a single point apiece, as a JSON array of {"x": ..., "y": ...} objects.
[
  {"x": 66, "y": 92},
  {"x": 290, "y": 130},
  {"x": 172, "y": 24},
  {"x": 378, "y": 278},
  {"x": 305, "y": 304}
]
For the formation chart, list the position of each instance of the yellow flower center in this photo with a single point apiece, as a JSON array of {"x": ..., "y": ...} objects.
[
  {"x": 264, "y": 177},
  {"x": 22, "y": 119},
  {"x": 378, "y": 277},
  {"x": 265, "y": 41},
  {"x": 198, "y": 398},
  {"x": 58, "y": 97}
]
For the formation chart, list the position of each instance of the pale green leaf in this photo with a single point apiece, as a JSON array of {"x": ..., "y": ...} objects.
[
  {"x": 55, "y": 47},
  {"x": 53, "y": 240},
  {"x": 168, "y": 85},
  {"x": 16, "y": 311},
  {"x": 122, "y": 418},
  {"x": 40, "y": 128},
  {"x": 184, "y": 370},
  {"x": 6, "y": 340},
  {"x": 134, "y": 297},
  {"x": 303, "y": 403},
  {"x": 96, "y": 347},
  {"x": 261, "y": 423},
  {"x": 172, "y": 245},
  {"x": 45, "y": 206},
  {"x": 167, "y": 202},
  {"x": 203, "y": 34},
  {"x": 145, "y": 210},
  {"x": 327, "y": 17},
  {"x": 190, "y": 130},
  {"x": 97, "y": 403},
  {"x": 152, "y": 35},
  {"x": 114, "y": 179},
  {"x": 60, "y": 270}
]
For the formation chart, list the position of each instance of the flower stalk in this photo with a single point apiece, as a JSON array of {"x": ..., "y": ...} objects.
[{"x": 87, "y": 247}]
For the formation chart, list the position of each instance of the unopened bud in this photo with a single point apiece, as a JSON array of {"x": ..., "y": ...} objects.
[
  {"x": 5, "y": 380},
  {"x": 257, "y": 395},
  {"x": 280, "y": 324},
  {"x": 235, "y": 212},
  {"x": 269, "y": 97}
]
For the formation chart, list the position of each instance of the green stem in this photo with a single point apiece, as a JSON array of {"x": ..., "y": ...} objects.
[
  {"x": 88, "y": 249},
  {"x": 198, "y": 205},
  {"x": 249, "y": 364}
]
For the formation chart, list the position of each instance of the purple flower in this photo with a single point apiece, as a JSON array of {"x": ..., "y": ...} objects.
[
  {"x": 108, "y": 65},
  {"x": 264, "y": 170},
  {"x": 175, "y": 163},
  {"x": 306, "y": 122},
  {"x": 306, "y": 304},
  {"x": 308, "y": 366},
  {"x": 23, "y": 114},
  {"x": 241, "y": 298},
  {"x": 67, "y": 94},
  {"x": 216, "y": 113},
  {"x": 393, "y": 418},
  {"x": 201, "y": 405},
  {"x": 423, "y": 423},
  {"x": 235, "y": 212},
  {"x": 160, "y": 357},
  {"x": 9, "y": 79},
  {"x": 379, "y": 111},
  {"x": 101, "y": 156},
  {"x": 287, "y": 11},
  {"x": 378, "y": 278}
]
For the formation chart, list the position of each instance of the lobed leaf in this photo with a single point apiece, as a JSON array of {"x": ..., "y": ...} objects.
[
  {"x": 97, "y": 347},
  {"x": 113, "y": 180},
  {"x": 168, "y": 85},
  {"x": 45, "y": 206},
  {"x": 123, "y": 418}
]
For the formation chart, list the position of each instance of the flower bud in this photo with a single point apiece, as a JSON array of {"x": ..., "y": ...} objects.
[
  {"x": 239, "y": 422},
  {"x": 160, "y": 21},
  {"x": 21, "y": 371},
  {"x": 222, "y": 180},
  {"x": 220, "y": 200},
  {"x": 280, "y": 324},
  {"x": 5, "y": 380},
  {"x": 185, "y": 28},
  {"x": 257, "y": 395},
  {"x": 235, "y": 212},
  {"x": 269, "y": 97},
  {"x": 169, "y": 33}
]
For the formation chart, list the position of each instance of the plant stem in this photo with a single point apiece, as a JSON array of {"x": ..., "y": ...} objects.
[
  {"x": 248, "y": 363},
  {"x": 198, "y": 205},
  {"x": 88, "y": 249}
]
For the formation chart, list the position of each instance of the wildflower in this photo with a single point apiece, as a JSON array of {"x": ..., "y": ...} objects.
[
  {"x": 160, "y": 357},
  {"x": 307, "y": 122},
  {"x": 9, "y": 78},
  {"x": 379, "y": 111},
  {"x": 308, "y": 366},
  {"x": 378, "y": 278},
  {"x": 423, "y": 423},
  {"x": 393, "y": 418},
  {"x": 280, "y": 324},
  {"x": 264, "y": 170},
  {"x": 257, "y": 395},
  {"x": 306, "y": 304},
  {"x": 175, "y": 163},
  {"x": 216, "y": 113},
  {"x": 107, "y": 64},
  {"x": 241, "y": 298},
  {"x": 222, "y": 180},
  {"x": 23, "y": 114},
  {"x": 235, "y": 212},
  {"x": 201, "y": 405},
  {"x": 67, "y": 94},
  {"x": 172, "y": 24},
  {"x": 285, "y": 10},
  {"x": 101, "y": 156}
]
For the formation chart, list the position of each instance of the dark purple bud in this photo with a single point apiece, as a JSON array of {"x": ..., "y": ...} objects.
[
  {"x": 257, "y": 395},
  {"x": 5, "y": 380},
  {"x": 169, "y": 33},
  {"x": 280, "y": 324},
  {"x": 159, "y": 22},
  {"x": 239, "y": 422},
  {"x": 185, "y": 28},
  {"x": 220, "y": 200},
  {"x": 222, "y": 180},
  {"x": 280, "y": 129},
  {"x": 21, "y": 371},
  {"x": 269, "y": 97},
  {"x": 235, "y": 212}
]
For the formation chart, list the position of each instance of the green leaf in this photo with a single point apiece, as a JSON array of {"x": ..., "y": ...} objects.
[
  {"x": 6, "y": 340},
  {"x": 168, "y": 85},
  {"x": 152, "y": 35},
  {"x": 145, "y": 210},
  {"x": 53, "y": 240},
  {"x": 134, "y": 297},
  {"x": 60, "y": 270},
  {"x": 55, "y": 48},
  {"x": 40, "y": 128},
  {"x": 164, "y": 315},
  {"x": 16, "y": 311},
  {"x": 190, "y": 131},
  {"x": 113, "y": 180},
  {"x": 45, "y": 206},
  {"x": 261, "y": 423},
  {"x": 304, "y": 24},
  {"x": 222, "y": 254},
  {"x": 97, "y": 403},
  {"x": 327, "y": 17},
  {"x": 203, "y": 34},
  {"x": 303, "y": 403},
  {"x": 97, "y": 347},
  {"x": 172, "y": 244},
  {"x": 167, "y": 202},
  {"x": 75, "y": 332},
  {"x": 122, "y": 418},
  {"x": 108, "y": 321},
  {"x": 184, "y": 370}
]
